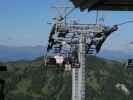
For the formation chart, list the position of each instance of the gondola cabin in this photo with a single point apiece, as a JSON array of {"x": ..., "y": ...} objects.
[
  {"x": 2, "y": 82},
  {"x": 50, "y": 61},
  {"x": 130, "y": 64},
  {"x": 65, "y": 62},
  {"x": 52, "y": 64},
  {"x": 3, "y": 68}
]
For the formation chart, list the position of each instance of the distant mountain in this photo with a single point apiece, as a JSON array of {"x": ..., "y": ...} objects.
[
  {"x": 118, "y": 55},
  {"x": 13, "y": 53}
]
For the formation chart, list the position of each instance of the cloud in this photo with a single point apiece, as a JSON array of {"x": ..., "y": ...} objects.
[{"x": 131, "y": 42}]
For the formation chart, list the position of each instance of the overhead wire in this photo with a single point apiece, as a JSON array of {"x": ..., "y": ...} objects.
[
  {"x": 97, "y": 15},
  {"x": 69, "y": 12},
  {"x": 126, "y": 22}
]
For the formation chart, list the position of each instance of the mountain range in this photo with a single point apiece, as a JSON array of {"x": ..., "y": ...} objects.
[
  {"x": 117, "y": 55},
  {"x": 14, "y": 53}
]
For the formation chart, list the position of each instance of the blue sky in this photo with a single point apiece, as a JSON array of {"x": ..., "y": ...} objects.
[{"x": 24, "y": 22}]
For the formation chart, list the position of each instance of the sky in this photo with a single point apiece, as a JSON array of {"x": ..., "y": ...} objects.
[{"x": 25, "y": 23}]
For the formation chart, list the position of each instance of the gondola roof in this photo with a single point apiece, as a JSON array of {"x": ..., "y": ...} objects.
[{"x": 113, "y": 5}]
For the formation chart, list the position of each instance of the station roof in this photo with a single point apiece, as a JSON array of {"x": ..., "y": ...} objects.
[{"x": 113, "y": 5}]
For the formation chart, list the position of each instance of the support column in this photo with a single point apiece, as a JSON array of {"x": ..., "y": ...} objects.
[
  {"x": 78, "y": 74},
  {"x": 75, "y": 84},
  {"x": 82, "y": 52}
]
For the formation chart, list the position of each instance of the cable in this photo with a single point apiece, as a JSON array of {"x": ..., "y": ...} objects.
[
  {"x": 45, "y": 58},
  {"x": 126, "y": 22},
  {"x": 69, "y": 12},
  {"x": 97, "y": 16}
]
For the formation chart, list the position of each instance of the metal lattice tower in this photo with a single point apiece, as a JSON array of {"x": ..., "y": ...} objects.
[
  {"x": 78, "y": 74},
  {"x": 90, "y": 37}
]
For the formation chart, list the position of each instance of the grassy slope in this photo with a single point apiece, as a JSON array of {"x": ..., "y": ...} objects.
[{"x": 31, "y": 81}]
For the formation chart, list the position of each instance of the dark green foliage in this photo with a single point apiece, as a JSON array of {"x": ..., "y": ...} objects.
[{"x": 33, "y": 81}]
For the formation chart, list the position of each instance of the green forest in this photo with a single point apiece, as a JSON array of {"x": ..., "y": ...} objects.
[{"x": 31, "y": 80}]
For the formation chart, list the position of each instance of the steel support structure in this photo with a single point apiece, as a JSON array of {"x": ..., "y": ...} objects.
[
  {"x": 86, "y": 34},
  {"x": 78, "y": 74}
]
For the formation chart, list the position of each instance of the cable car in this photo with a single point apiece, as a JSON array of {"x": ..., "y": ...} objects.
[
  {"x": 130, "y": 64},
  {"x": 2, "y": 83},
  {"x": 3, "y": 68},
  {"x": 50, "y": 61}
]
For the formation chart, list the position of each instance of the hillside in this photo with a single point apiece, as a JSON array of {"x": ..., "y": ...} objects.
[{"x": 29, "y": 80}]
